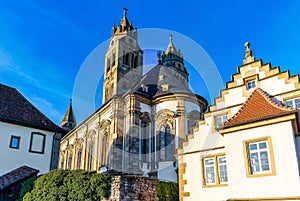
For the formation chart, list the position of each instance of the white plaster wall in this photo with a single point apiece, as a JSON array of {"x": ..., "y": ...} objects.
[
  {"x": 285, "y": 183},
  {"x": 189, "y": 106},
  {"x": 193, "y": 176},
  {"x": 13, "y": 158},
  {"x": 268, "y": 85},
  {"x": 234, "y": 96},
  {"x": 297, "y": 144},
  {"x": 206, "y": 138},
  {"x": 171, "y": 105}
]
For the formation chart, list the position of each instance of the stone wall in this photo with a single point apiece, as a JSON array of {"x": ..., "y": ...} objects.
[{"x": 125, "y": 188}]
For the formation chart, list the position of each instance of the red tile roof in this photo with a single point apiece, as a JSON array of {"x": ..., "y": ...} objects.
[
  {"x": 259, "y": 106},
  {"x": 16, "y": 109},
  {"x": 17, "y": 175}
]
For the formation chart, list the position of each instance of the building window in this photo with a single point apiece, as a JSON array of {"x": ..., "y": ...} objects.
[
  {"x": 259, "y": 157},
  {"x": 37, "y": 143},
  {"x": 144, "y": 88},
  {"x": 165, "y": 143},
  {"x": 293, "y": 103},
  {"x": 62, "y": 162},
  {"x": 222, "y": 167},
  {"x": 160, "y": 77},
  {"x": 215, "y": 170},
  {"x": 79, "y": 155},
  {"x": 70, "y": 160},
  {"x": 219, "y": 120},
  {"x": 165, "y": 87},
  {"x": 251, "y": 84},
  {"x": 14, "y": 142},
  {"x": 90, "y": 156}
]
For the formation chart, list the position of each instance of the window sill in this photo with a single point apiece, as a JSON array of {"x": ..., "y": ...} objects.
[{"x": 215, "y": 185}]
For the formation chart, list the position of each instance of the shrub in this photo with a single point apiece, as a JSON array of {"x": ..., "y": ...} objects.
[
  {"x": 75, "y": 185},
  {"x": 167, "y": 191},
  {"x": 27, "y": 186}
]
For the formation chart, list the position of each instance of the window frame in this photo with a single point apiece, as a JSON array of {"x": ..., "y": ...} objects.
[
  {"x": 249, "y": 172},
  {"x": 293, "y": 100},
  {"x": 249, "y": 88},
  {"x": 11, "y": 141},
  {"x": 218, "y": 116},
  {"x": 217, "y": 172},
  {"x": 43, "y": 145}
]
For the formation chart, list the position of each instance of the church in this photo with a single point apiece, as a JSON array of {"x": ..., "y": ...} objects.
[{"x": 143, "y": 118}]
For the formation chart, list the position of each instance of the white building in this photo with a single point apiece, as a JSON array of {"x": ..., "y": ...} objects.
[
  {"x": 27, "y": 136},
  {"x": 247, "y": 146}
]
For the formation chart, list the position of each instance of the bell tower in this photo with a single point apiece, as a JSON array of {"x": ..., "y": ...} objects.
[{"x": 123, "y": 60}]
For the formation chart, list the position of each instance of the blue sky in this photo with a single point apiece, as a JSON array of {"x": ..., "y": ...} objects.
[{"x": 44, "y": 43}]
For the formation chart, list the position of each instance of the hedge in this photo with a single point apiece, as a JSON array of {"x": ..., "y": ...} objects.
[{"x": 64, "y": 185}]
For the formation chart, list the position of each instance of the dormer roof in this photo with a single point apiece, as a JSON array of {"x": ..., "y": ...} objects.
[{"x": 259, "y": 106}]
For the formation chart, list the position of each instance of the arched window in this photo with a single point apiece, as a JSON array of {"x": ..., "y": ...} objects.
[
  {"x": 107, "y": 65},
  {"x": 90, "y": 156},
  {"x": 166, "y": 143},
  {"x": 79, "y": 155},
  {"x": 135, "y": 62},
  {"x": 70, "y": 159},
  {"x": 62, "y": 161},
  {"x": 113, "y": 59},
  {"x": 104, "y": 150}
]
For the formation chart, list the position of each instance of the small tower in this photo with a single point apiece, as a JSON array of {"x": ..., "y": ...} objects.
[
  {"x": 123, "y": 60},
  {"x": 68, "y": 122},
  {"x": 174, "y": 59},
  {"x": 248, "y": 54}
]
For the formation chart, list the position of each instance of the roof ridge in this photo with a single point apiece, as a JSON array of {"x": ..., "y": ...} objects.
[
  {"x": 282, "y": 109},
  {"x": 269, "y": 99}
]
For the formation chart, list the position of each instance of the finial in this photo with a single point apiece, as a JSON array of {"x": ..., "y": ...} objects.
[
  {"x": 125, "y": 11},
  {"x": 171, "y": 37},
  {"x": 247, "y": 46},
  {"x": 248, "y": 54},
  {"x": 71, "y": 101}
]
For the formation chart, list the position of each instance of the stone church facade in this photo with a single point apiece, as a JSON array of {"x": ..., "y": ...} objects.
[{"x": 143, "y": 118}]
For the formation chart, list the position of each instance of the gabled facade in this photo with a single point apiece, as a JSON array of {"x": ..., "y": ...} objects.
[
  {"x": 28, "y": 137},
  {"x": 247, "y": 146},
  {"x": 143, "y": 118}
]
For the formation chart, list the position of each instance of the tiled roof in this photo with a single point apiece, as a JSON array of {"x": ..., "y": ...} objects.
[
  {"x": 259, "y": 106},
  {"x": 152, "y": 81},
  {"x": 17, "y": 175},
  {"x": 15, "y": 108}
]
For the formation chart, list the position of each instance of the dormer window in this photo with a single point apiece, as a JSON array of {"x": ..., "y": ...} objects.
[
  {"x": 144, "y": 88},
  {"x": 165, "y": 87},
  {"x": 161, "y": 77},
  {"x": 293, "y": 103},
  {"x": 251, "y": 84},
  {"x": 219, "y": 120}
]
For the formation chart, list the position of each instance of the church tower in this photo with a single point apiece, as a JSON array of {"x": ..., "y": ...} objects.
[
  {"x": 173, "y": 58},
  {"x": 123, "y": 60},
  {"x": 69, "y": 122}
]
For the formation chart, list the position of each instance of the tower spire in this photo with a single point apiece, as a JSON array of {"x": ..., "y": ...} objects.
[
  {"x": 68, "y": 122},
  {"x": 125, "y": 11}
]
